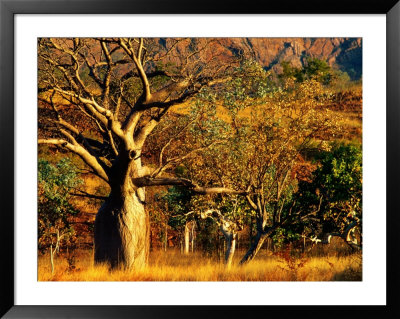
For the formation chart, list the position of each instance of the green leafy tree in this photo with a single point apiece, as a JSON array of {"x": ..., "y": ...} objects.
[
  {"x": 313, "y": 69},
  {"x": 319, "y": 69},
  {"x": 336, "y": 188},
  {"x": 54, "y": 207}
]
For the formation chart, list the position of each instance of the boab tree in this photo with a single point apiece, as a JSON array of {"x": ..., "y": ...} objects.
[{"x": 101, "y": 99}]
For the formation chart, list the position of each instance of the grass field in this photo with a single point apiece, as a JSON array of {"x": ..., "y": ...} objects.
[{"x": 174, "y": 266}]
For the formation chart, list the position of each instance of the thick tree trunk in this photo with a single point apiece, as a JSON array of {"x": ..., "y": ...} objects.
[
  {"x": 254, "y": 248},
  {"x": 121, "y": 233}
]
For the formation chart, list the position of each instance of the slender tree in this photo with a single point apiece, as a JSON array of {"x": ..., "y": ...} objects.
[{"x": 229, "y": 228}]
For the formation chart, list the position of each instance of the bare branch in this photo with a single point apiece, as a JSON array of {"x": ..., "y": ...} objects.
[
  {"x": 102, "y": 114},
  {"x": 179, "y": 159},
  {"x": 251, "y": 202},
  {"x": 160, "y": 160},
  {"x": 149, "y": 181},
  {"x": 106, "y": 83},
  {"x": 89, "y": 159},
  {"x": 85, "y": 194},
  {"x": 136, "y": 58}
]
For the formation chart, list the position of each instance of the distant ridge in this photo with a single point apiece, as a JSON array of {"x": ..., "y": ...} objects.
[{"x": 342, "y": 53}]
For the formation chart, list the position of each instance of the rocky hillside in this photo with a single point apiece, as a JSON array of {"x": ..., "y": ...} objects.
[{"x": 344, "y": 53}]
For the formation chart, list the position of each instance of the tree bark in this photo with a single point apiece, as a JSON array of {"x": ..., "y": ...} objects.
[
  {"x": 254, "y": 248},
  {"x": 230, "y": 249},
  {"x": 121, "y": 233},
  {"x": 192, "y": 234},
  {"x": 187, "y": 238},
  {"x": 165, "y": 237}
]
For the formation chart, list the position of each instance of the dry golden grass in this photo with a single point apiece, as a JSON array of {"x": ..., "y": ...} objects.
[{"x": 173, "y": 266}]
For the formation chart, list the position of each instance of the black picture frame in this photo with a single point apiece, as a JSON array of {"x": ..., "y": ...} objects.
[{"x": 8, "y": 10}]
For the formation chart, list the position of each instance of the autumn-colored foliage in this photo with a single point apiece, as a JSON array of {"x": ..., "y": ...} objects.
[{"x": 190, "y": 140}]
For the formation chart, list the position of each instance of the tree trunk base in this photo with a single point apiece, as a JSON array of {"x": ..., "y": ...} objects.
[
  {"x": 230, "y": 250},
  {"x": 254, "y": 248},
  {"x": 121, "y": 234}
]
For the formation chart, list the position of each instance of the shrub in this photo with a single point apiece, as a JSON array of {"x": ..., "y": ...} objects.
[{"x": 54, "y": 208}]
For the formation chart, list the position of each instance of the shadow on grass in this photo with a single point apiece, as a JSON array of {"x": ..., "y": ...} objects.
[{"x": 348, "y": 274}]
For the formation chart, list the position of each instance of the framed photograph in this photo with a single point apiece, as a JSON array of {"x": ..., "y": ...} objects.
[{"x": 171, "y": 160}]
